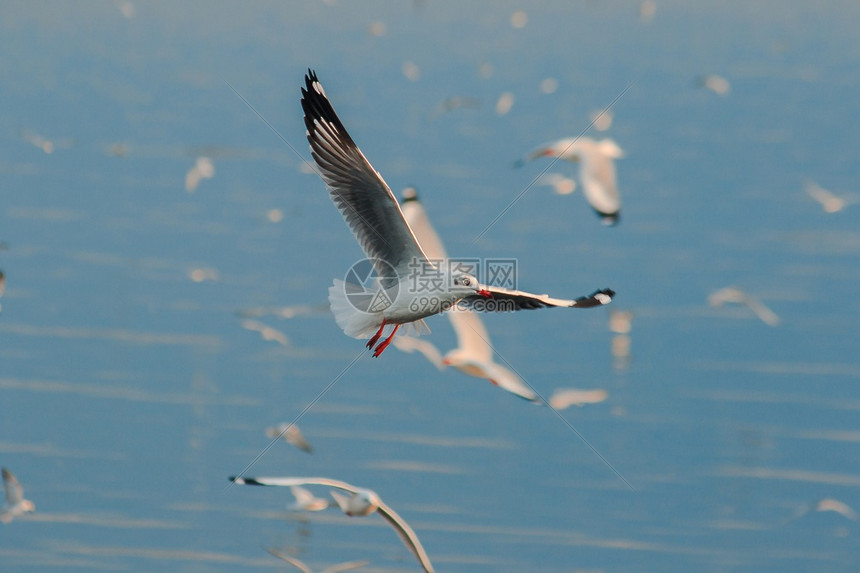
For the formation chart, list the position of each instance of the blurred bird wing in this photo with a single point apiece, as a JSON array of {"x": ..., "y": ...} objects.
[
  {"x": 599, "y": 183},
  {"x": 411, "y": 344},
  {"x": 14, "y": 491},
  {"x": 472, "y": 336}
]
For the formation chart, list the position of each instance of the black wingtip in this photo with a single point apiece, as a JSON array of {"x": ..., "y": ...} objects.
[
  {"x": 597, "y": 298},
  {"x": 609, "y": 219},
  {"x": 245, "y": 481}
]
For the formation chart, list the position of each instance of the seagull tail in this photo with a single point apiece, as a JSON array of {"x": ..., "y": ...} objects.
[{"x": 352, "y": 321}]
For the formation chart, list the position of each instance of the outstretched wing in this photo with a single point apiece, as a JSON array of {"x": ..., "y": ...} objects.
[
  {"x": 508, "y": 300},
  {"x": 14, "y": 491},
  {"x": 357, "y": 189}
]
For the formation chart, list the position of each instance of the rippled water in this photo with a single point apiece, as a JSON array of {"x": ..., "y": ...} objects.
[{"x": 130, "y": 392}]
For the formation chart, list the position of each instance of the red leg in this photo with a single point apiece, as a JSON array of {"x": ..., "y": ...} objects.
[
  {"x": 384, "y": 344},
  {"x": 376, "y": 336}
]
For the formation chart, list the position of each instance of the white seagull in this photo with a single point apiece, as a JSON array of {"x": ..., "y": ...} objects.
[
  {"x": 733, "y": 294},
  {"x": 410, "y": 286},
  {"x": 16, "y": 505},
  {"x": 363, "y": 502},
  {"x": 291, "y": 434},
  {"x": 596, "y": 170},
  {"x": 474, "y": 354},
  {"x": 348, "y": 566}
]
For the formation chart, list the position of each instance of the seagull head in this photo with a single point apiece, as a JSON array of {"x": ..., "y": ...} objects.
[
  {"x": 27, "y": 505},
  {"x": 469, "y": 284}
]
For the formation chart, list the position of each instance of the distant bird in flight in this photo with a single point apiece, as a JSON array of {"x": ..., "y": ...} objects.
[
  {"x": 203, "y": 169},
  {"x": 16, "y": 505},
  {"x": 735, "y": 295},
  {"x": 596, "y": 170},
  {"x": 290, "y": 434},
  {"x": 402, "y": 268},
  {"x": 829, "y": 201}
]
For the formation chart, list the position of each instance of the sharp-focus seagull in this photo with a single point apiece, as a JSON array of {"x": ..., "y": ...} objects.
[
  {"x": 306, "y": 500},
  {"x": 365, "y": 501},
  {"x": 291, "y": 434},
  {"x": 348, "y": 566},
  {"x": 15, "y": 503},
  {"x": 596, "y": 170},
  {"x": 473, "y": 355},
  {"x": 733, "y": 294},
  {"x": 410, "y": 286}
]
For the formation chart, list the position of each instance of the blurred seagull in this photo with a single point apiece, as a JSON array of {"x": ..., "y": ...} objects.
[
  {"x": 836, "y": 506},
  {"x": 474, "y": 354},
  {"x": 601, "y": 119},
  {"x": 203, "y": 169},
  {"x": 825, "y": 504},
  {"x": 564, "y": 398},
  {"x": 735, "y": 295},
  {"x": 596, "y": 170},
  {"x": 291, "y": 434},
  {"x": 37, "y": 140},
  {"x": 266, "y": 331},
  {"x": 410, "y": 344},
  {"x": 362, "y": 502},
  {"x": 302, "y": 567},
  {"x": 830, "y": 202},
  {"x": 2, "y": 286},
  {"x": 306, "y": 500},
  {"x": 371, "y": 211},
  {"x": 16, "y": 505},
  {"x": 715, "y": 83}
]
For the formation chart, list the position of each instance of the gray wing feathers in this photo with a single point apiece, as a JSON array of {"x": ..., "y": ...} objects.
[{"x": 357, "y": 189}]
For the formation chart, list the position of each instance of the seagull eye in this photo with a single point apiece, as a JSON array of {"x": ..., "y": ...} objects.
[{"x": 466, "y": 282}]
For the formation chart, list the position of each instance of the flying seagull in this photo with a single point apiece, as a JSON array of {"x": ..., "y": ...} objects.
[
  {"x": 15, "y": 503},
  {"x": 363, "y": 502},
  {"x": 402, "y": 268},
  {"x": 596, "y": 170}
]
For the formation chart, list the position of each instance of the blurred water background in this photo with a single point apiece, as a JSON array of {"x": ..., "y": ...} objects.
[{"x": 130, "y": 390}]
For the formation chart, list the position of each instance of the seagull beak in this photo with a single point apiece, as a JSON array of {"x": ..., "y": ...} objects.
[{"x": 485, "y": 293}]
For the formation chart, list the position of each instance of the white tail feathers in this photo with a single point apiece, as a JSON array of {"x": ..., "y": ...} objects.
[
  {"x": 359, "y": 324},
  {"x": 354, "y": 322}
]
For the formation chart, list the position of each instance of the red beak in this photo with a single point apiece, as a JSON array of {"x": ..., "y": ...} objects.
[{"x": 485, "y": 293}]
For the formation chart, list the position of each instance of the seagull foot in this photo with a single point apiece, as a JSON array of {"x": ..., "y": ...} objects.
[
  {"x": 376, "y": 336},
  {"x": 384, "y": 344}
]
